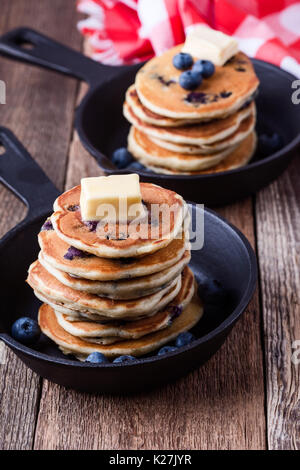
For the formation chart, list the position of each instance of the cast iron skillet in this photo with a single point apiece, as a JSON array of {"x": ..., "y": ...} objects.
[
  {"x": 102, "y": 127},
  {"x": 226, "y": 257}
]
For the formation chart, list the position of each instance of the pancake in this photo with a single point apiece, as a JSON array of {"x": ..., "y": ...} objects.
[
  {"x": 196, "y": 134},
  {"x": 223, "y": 93},
  {"x": 88, "y": 330},
  {"x": 149, "y": 153},
  {"x": 71, "y": 313},
  {"x": 124, "y": 289},
  {"x": 134, "y": 329},
  {"x": 121, "y": 240},
  {"x": 244, "y": 129},
  {"x": 105, "y": 269},
  {"x": 73, "y": 345},
  {"x": 148, "y": 116},
  {"x": 41, "y": 280},
  {"x": 239, "y": 157}
]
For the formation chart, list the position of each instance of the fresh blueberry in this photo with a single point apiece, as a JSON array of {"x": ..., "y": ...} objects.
[
  {"x": 269, "y": 143},
  {"x": 166, "y": 349},
  {"x": 211, "y": 291},
  {"x": 122, "y": 158},
  {"x": 122, "y": 359},
  {"x": 184, "y": 338},
  {"x": 26, "y": 330},
  {"x": 135, "y": 166},
  {"x": 182, "y": 61},
  {"x": 205, "y": 67},
  {"x": 97, "y": 358},
  {"x": 189, "y": 80}
]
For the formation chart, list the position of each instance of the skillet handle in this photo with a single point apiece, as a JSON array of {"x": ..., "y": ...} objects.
[
  {"x": 28, "y": 45},
  {"x": 23, "y": 176}
]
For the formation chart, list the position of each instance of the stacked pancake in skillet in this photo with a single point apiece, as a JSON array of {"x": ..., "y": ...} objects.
[
  {"x": 115, "y": 293},
  {"x": 204, "y": 130}
]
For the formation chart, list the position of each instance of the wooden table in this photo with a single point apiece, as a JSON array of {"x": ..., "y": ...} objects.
[{"x": 247, "y": 395}]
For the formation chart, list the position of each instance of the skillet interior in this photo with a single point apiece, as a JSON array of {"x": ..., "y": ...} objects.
[
  {"x": 224, "y": 257},
  {"x": 107, "y": 129}
]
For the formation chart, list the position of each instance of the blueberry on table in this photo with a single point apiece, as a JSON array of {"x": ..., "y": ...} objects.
[
  {"x": 97, "y": 358},
  {"x": 121, "y": 157},
  {"x": 182, "y": 61},
  {"x": 205, "y": 67},
  {"x": 184, "y": 338},
  {"x": 124, "y": 359},
  {"x": 166, "y": 349},
  {"x": 189, "y": 80},
  {"x": 26, "y": 331}
]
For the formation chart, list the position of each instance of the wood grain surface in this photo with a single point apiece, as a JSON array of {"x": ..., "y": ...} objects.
[
  {"x": 247, "y": 395},
  {"x": 278, "y": 238},
  {"x": 39, "y": 110}
]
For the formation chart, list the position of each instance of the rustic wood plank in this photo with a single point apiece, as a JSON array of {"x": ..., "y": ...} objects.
[
  {"x": 39, "y": 111},
  {"x": 278, "y": 229},
  {"x": 220, "y": 406}
]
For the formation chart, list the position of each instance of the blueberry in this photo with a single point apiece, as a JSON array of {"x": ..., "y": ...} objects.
[
  {"x": 182, "y": 61},
  {"x": 184, "y": 338},
  {"x": 97, "y": 358},
  {"x": 26, "y": 330},
  {"x": 91, "y": 225},
  {"x": 205, "y": 67},
  {"x": 73, "y": 208},
  {"x": 121, "y": 157},
  {"x": 47, "y": 226},
  {"x": 190, "y": 80},
  {"x": 269, "y": 143},
  {"x": 135, "y": 166},
  {"x": 211, "y": 291},
  {"x": 75, "y": 253},
  {"x": 123, "y": 359},
  {"x": 176, "y": 311},
  {"x": 166, "y": 349}
]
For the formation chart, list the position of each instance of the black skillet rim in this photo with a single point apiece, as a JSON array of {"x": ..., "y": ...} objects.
[
  {"x": 227, "y": 323},
  {"x": 96, "y": 153}
]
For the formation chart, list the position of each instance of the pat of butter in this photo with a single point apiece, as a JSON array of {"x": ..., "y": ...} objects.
[
  {"x": 205, "y": 43},
  {"x": 115, "y": 197}
]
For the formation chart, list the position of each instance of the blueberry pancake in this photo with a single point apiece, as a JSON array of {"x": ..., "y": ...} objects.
[
  {"x": 154, "y": 233},
  {"x": 244, "y": 129},
  {"x": 114, "y": 304},
  {"x": 121, "y": 289},
  {"x": 149, "y": 153},
  {"x": 42, "y": 281},
  {"x": 147, "y": 116},
  {"x": 117, "y": 330},
  {"x": 83, "y": 265},
  {"x": 239, "y": 157},
  {"x": 231, "y": 86},
  {"x": 71, "y": 344},
  {"x": 197, "y": 134}
]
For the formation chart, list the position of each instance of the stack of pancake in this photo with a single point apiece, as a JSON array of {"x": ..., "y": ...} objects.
[
  {"x": 114, "y": 292},
  {"x": 207, "y": 130}
]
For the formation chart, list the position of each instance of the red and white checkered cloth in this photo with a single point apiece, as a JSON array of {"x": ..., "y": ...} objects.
[{"x": 129, "y": 31}]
